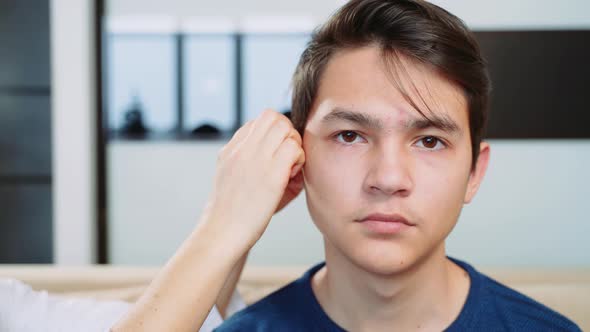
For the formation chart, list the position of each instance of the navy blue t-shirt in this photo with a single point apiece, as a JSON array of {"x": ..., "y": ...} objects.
[{"x": 490, "y": 306}]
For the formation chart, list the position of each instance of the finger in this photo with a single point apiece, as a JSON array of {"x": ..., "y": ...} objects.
[
  {"x": 289, "y": 154},
  {"x": 279, "y": 131},
  {"x": 262, "y": 125},
  {"x": 300, "y": 158},
  {"x": 295, "y": 170},
  {"x": 240, "y": 135},
  {"x": 244, "y": 130},
  {"x": 295, "y": 135},
  {"x": 298, "y": 164}
]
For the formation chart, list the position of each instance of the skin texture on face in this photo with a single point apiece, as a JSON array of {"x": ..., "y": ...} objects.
[{"x": 368, "y": 151}]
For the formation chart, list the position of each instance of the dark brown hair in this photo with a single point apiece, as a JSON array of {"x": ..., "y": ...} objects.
[{"x": 419, "y": 30}]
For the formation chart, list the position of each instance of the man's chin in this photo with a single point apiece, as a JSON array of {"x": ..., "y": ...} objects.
[
  {"x": 385, "y": 268},
  {"x": 384, "y": 264}
]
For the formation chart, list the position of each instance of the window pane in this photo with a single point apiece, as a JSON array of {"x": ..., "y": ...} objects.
[
  {"x": 269, "y": 63},
  {"x": 25, "y": 224},
  {"x": 25, "y": 135},
  {"x": 141, "y": 67},
  {"x": 24, "y": 43},
  {"x": 210, "y": 86}
]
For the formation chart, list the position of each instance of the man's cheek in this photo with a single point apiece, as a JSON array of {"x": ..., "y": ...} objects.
[
  {"x": 444, "y": 197},
  {"x": 329, "y": 184}
]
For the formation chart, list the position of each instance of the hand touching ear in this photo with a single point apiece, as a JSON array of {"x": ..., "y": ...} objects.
[{"x": 258, "y": 173}]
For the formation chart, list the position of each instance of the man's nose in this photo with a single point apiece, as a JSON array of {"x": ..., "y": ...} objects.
[{"x": 390, "y": 173}]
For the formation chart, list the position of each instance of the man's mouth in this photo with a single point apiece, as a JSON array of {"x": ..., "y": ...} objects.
[{"x": 382, "y": 223}]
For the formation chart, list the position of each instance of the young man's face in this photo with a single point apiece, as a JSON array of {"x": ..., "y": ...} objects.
[{"x": 369, "y": 152}]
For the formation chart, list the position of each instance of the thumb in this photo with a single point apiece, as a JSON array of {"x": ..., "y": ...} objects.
[{"x": 296, "y": 168}]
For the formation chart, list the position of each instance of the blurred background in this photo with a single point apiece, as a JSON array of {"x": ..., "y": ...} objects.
[{"x": 112, "y": 113}]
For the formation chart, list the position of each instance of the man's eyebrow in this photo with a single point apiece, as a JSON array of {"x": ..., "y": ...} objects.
[
  {"x": 443, "y": 122},
  {"x": 362, "y": 119}
]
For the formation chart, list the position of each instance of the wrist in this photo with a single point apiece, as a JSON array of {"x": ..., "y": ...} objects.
[{"x": 213, "y": 231}]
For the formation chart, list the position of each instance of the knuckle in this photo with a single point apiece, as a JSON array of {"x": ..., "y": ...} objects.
[
  {"x": 282, "y": 117},
  {"x": 268, "y": 113},
  {"x": 292, "y": 145},
  {"x": 247, "y": 125},
  {"x": 296, "y": 133},
  {"x": 283, "y": 127},
  {"x": 247, "y": 128},
  {"x": 287, "y": 122}
]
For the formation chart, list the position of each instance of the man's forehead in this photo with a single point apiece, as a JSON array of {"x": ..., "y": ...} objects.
[{"x": 410, "y": 93}]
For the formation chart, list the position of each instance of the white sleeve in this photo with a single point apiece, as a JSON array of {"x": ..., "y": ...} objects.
[
  {"x": 236, "y": 303},
  {"x": 24, "y": 309}
]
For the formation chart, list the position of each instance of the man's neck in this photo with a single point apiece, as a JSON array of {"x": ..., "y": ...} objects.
[{"x": 427, "y": 296}]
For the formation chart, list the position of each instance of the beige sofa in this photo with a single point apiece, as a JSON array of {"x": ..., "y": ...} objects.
[{"x": 565, "y": 290}]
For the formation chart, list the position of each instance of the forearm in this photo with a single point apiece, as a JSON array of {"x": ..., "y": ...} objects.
[
  {"x": 183, "y": 293},
  {"x": 229, "y": 287}
]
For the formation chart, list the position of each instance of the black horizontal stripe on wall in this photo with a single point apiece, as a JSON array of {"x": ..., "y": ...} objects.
[
  {"x": 25, "y": 90},
  {"x": 540, "y": 83},
  {"x": 25, "y": 179}
]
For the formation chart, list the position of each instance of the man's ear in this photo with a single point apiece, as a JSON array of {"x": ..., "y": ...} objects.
[{"x": 478, "y": 172}]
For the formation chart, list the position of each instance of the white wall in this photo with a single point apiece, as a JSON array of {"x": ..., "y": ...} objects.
[
  {"x": 73, "y": 110},
  {"x": 225, "y": 8},
  {"x": 531, "y": 209},
  {"x": 477, "y": 13}
]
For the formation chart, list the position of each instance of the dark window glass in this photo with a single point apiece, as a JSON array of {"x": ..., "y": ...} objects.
[
  {"x": 25, "y": 135},
  {"x": 25, "y": 224},
  {"x": 24, "y": 43},
  {"x": 540, "y": 83}
]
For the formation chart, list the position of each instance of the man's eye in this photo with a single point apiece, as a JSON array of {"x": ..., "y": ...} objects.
[
  {"x": 430, "y": 143},
  {"x": 347, "y": 137}
]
